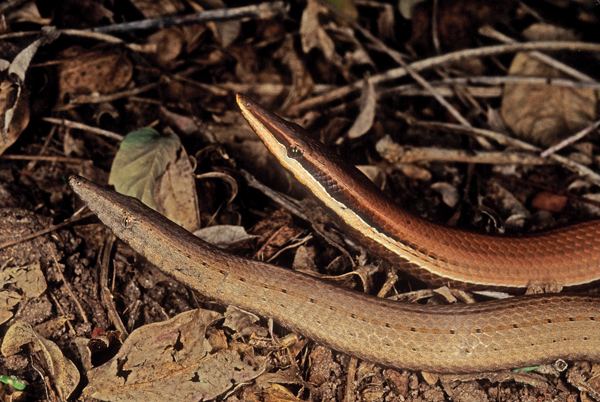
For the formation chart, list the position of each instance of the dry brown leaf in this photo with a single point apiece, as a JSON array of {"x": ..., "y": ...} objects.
[
  {"x": 73, "y": 146},
  {"x": 304, "y": 259},
  {"x": 170, "y": 361},
  {"x": 103, "y": 70},
  {"x": 449, "y": 193},
  {"x": 14, "y": 96},
  {"x": 46, "y": 329},
  {"x": 29, "y": 279},
  {"x": 224, "y": 236},
  {"x": 175, "y": 193},
  {"x": 243, "y": 322},
  {"x": 14, "y": 113},
  {"x": 62, "y": 371},
  {"x": 302, "y": 82},
  {"x": 168, "y": 44},
  {"x": 312, "y": 35},
  {"x": 545, "y": 114},
  {"x": 8, "y": 300},
  {"x": 277, "y": 393},
  {"x": 374, "y": 173},
  {"x": 364, "y": 120}
]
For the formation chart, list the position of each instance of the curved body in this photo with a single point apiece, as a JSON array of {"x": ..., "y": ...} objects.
[
  {"x": 514, "y": 332},
  {"x": 436, "y": 254}
]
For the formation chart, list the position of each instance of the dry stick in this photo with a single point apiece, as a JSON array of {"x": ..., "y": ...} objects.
[
  {"x": 88, "y": 35},
  {"x": 63, "y": 312},
  {"x": 85, "y": 99},
  {"x": 493, "y": 85},
  {"x": 351, "y": 380},
  {"x": 215, "y": 90},
  {"x": 397, "y": 57},
  {"x": 449, "y": 58},
  {"x": 446, "y": 91},
  {"x": 52, "y": 228},
  {"x": 269, "y": 89},
  {"x": 396, "y": 153},
  {"x": 43, "y": 158},
  {"x": 31, "y": 165},
  {"x": 85, "y": 127},
  {"x": 105, "y": 293},
  {"x": 68, "y": 287},
  {"x": 568, "y": 141},
  {"x": 261, "y": 11},
  {"x": 502, "y": 139},
  {"x": 294, "y": 208},
  {"x": 544, "y": 58}
]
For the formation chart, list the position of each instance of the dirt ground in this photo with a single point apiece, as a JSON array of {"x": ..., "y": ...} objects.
[{"x": 445, "y": 105}]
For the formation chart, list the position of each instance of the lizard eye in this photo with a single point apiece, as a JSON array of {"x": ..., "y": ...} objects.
[
  {"x": 295, "y": 151},
  {"x": 127, "y": 222}
]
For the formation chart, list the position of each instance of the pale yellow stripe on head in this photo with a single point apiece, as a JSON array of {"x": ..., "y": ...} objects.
[{"x": 345, "y": 213}]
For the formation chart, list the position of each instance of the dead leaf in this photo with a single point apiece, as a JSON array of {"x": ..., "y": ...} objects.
[
  {"x": 302, "y": 82},
  {"x": 103, "y": 70},
  {"x": 243, "y": 322},
  {"x": 364, "y": 120},
  {"x": 72, "y": 146},
  {"x": 27, "y": 282},
  {"x": 545, "y": 114},
  {"x": 143, "y": 157},
  {"x": 14, "y": 113},
  {"x": 175, "y": 193},
  {"x": 449, "y": 193},
  {"x": 277, "y": 393},
  {"x": 14, "y": 96},
  {"x": 168, "y": 44},
  {"x": 170, "y": 361},
  {"x": 224, "y": 236},
  {"x": 46, "y": 329},
  {"x": 63, "y": 372},
  {"x": 28, "y": 12},
  {"x": 29, "y": 279},
  {"x": 8, "y": 300},
  {"x": 312, "y": 35}
]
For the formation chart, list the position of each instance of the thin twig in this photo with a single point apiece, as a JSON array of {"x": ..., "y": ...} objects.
[
  {"x": 502, "y": 80},
  {"x": 143, "y": 48},
  {"x": 43, "y": 158},
  {"x": 85, "y": 127},
  {"x": 67, "y": 286},
  {"x": 583, "y": 171},
  {"x": 449, "y": 58},
  {"x": 105, "y": 293},
  {"x": 398, "y": 58},
  {"x": 568, "y": 141},
  {"x": 263, "y": 11},
  {"x": 64, "y": 314},
  {"x": 52, "y": 228},
  {"x": 86, "y": 99},
  {"x": 396, "y": 153},
  {"x": 544, "y": 58}
]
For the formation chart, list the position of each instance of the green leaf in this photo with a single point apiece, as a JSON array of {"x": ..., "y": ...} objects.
[
  {"x": 15, "y": 382},
  {"x": 142, "y": 158}
]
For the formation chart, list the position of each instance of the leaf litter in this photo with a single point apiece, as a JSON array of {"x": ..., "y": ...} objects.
[{"x": 180, "y": 80}]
